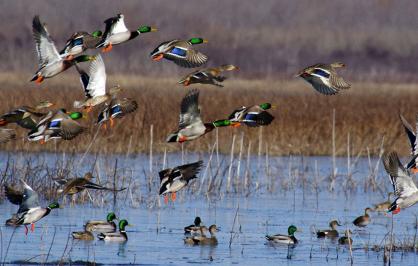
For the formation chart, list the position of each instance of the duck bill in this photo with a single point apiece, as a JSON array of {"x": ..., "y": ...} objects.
[
  {"x": 157, "y": 57},
  {"x": 154, "y": 29}
]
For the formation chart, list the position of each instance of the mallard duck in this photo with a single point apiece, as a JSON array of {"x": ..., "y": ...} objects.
[
  {"x": 207, "y": 76},
  {"x": 76, "y": 185},
  {"x": 324, "y": 78},
  {"x": 252, "y": 116},
  {"x": 107, "y": 226},
  {"x": 193, "y": 228},
  {"x": 50, "y": 61},
  {"x": 174, "y": 179},
  {"x": 346, "y": 239},
  {"x": 190, "y": 125},
  {"x": 83, "y": 235},
  {"x": 202, "y": 239},
  {"x": 284, "y": 239},
  {"x": 383, "y": 206},
  {"x": 329, "y": 232},
  {"x": 25, "y": 116},
  {"x": 363, "y": 220},
  {"x": 117, "y": 108},
  {"x": 410, "y": 132},
  {"x": 7, "y": 135},
  {"x": 29, "y": 210},
  {"x": 120, "y": 236},
  {"x": 94, "y": 85},
  {"x": 116, "y": 32},
  {"x": 180, "y": 52},
  {"x": 403, "y": 185},
  {"x": 79, "y": 42},
  {"x": 57, "y": 125}
]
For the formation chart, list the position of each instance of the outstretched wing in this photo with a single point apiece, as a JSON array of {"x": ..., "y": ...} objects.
[
  {"x": 30, "y": 198},
  {"x": 97, "y": 78},
  {"x": 45, "y": 47},
  {"x": 189, "y": 111},
  {"x": 13, "y": 195},
  {"x": 189, "y": 171},
  {"x": 402, "y": 182}
]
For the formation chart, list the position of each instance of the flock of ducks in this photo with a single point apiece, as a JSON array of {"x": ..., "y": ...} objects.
[{"x": 62, "y": 124}]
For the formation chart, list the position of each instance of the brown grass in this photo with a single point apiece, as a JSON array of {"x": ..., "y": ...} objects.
[{"x": 303, "y": 123}]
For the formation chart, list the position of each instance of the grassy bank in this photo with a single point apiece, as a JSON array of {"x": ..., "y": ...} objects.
[{"x": 303, "y": 125}]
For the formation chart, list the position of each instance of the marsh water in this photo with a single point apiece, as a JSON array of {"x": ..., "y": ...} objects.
[{"x": 289, "y": 191}]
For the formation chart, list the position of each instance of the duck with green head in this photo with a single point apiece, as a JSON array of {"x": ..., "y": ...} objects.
[
  {"x": 29, "y": 211},
  {"x": 190, "y": 125},
  {"x": 50, "y": 61},
  {"x": 107, "y": 226},
  {"x": 79, "y": 42},
  {"x": 120, "y": 236},
  {"x": 57, "y": 125},
  {"x": 289, "y": 239},
  {"x": 252, "y": 116},
  {"x": 181, "y": 52},
  {"x": 116, "y": 33},
  {"x": 195, "y": 227}
]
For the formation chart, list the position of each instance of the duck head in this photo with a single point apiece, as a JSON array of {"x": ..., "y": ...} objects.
[
  {"x": 197, "y": 221},
  {"x": 110, "y": 217},
  {"x": 54, "y": 205},
  {"x": 194, "y": 41},
  {"x": 292, "y": 230},
  {"x": 333, "y": 224},
  {"x": 122, "y": 224},
  {"x": 145, "y": 29}
]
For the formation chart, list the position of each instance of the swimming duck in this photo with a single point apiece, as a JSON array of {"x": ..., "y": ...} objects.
[
  {"x": 207, "y": 76},
  {"x": 94, "y": 85},
  {"x": 202, "y": 239},
  {"x": 76, "y": 185},
  {"x": 120, "y": 236},
  {"x": 190, "y": 125},
  {"x": 284, "y": 239},
  {"x": 50, "y": 61},
  {"x": 193, "y": 228},
  {"x": 174, "y": 179},
  {"x": 410, "y": 132},
  {"x": 346, "y": 239},
  {"x": 107, "y": 226},
  {"x": 29, "y": 209},
  {"x": 57, "y": 125},
  {"x": 79, "y": 42},
  {"x": 180, "y": 52},
  {"x": 329, "y": 233},
  {"x": 116, "y": 32},
  {"x": 252, "y": 116},
  {"x": 25, "y": 116},
  {"x": 363, "y": 220},
  {"x": 83, "y": 235},
  {"x": 403, "y": 185},
  {"x": 383, "y": 206},
  {"x": 117, "y": 108},
  {"x": 324, "y": 78},
  {"x": 7, "y": 135}
]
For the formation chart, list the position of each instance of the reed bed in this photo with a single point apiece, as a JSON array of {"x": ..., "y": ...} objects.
[{"x": 303, "y": 125}]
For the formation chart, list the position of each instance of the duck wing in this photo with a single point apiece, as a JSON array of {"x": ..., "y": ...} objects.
[
  {"x": 13, "y": 195},
  {"x": 45, "y": 47},
  {"x": 94, "y": 83},
  {"x": 402, "y": 182},
  {"x": 30, "y": 199},
  {"x": 189, "y": 171},
  {"x": 189, "y": 110}
]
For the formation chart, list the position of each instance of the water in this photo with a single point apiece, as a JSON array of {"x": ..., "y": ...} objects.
[{"x": 157, "y": 235}]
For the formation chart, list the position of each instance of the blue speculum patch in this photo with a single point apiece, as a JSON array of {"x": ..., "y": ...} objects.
[
  {"x": 178, "y": 51},
  {"x": 78, "y": 41},
  {"x": 321, "y": 73},
  {"x": 116, "y": 109},
  {"x": 54, "y": 124}
]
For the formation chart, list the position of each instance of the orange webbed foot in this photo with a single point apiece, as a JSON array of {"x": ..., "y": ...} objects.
[
  {"x": 173, "y": 196},
  {"x": 414, "y": 170},
  {"x": 107, "y": 48},
  {"x": 32, "y": 227},
  {"x": 112, "y": 123},
  {"x": 166, "y": 199},
  {"x": 39, "y": 79}
]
